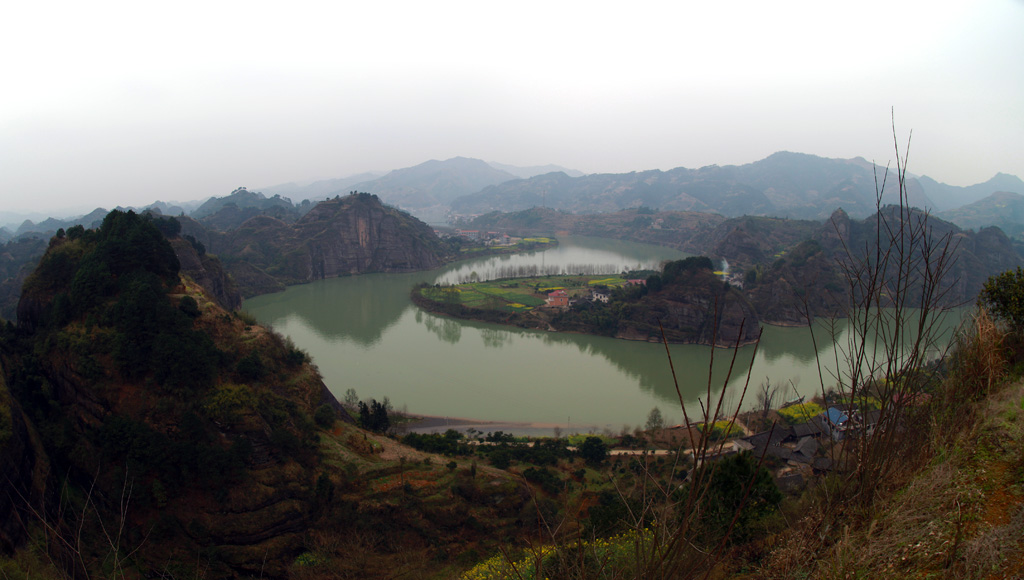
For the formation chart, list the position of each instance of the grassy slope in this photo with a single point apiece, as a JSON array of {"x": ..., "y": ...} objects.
[{"x": 960, "y": 515}]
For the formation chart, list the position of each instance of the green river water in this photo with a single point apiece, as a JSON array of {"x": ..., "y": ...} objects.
[{"x": 364, "y": 333}]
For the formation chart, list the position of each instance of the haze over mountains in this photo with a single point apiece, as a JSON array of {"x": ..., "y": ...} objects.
[{"x": 784, "y": 184}]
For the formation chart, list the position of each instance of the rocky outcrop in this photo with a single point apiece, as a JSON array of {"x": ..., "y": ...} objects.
[
  {"x": 358, "y": 234},
  {"x": 343, "y": 236},
  {"x": 814, "y": 277},
  {"x": 207, "y": 272}
]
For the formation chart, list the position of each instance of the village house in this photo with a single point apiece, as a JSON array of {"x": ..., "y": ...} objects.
[
  {"x": 558, "y": 299},
  {"x": 599, "y": 296}
]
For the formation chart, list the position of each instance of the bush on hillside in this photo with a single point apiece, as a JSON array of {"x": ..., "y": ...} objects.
[{"x": 1003, "y": 296}]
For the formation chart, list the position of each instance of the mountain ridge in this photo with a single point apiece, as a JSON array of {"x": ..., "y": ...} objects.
[{"x": 784, "y": 184}]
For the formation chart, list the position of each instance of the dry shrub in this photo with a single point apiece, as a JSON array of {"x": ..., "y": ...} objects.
[
  {"x": 977, "y": 365},
  {"x": 980, "y": 359},
  {"x": 359, "y": 444}
]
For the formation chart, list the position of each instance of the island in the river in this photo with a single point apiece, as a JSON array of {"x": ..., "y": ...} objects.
[{"x": 687, "y": 301}]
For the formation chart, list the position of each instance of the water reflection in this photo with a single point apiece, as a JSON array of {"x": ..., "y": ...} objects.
[
  {"x": 364, "y": 333},
  {"x": 447, "y": 329},
  {"x": 356, "y": 308},
  {"x": 494, "y": 338}
]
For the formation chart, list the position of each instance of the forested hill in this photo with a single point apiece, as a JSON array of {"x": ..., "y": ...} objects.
[
  {"x": 138, "y": 382},
  {"x": 130, "y": 399},
  {"x": 687, "y": 300}
]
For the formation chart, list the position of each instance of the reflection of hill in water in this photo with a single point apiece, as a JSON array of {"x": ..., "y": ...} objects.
[
  {"x": 643, "y": 362},
  {"x": 794, "y": 342},
  {"x": 649, "y": 364},
  {"x": 359, "y": 308},
  {"x": 646, "y": 363}
]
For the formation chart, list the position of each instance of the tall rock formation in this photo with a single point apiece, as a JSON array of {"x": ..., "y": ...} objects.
[
  {"x": 355, "y": 234},
  {"x": 359, "y": 234}
]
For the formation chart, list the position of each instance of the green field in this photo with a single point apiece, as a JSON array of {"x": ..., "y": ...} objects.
[{"x": 519, "y": 294}]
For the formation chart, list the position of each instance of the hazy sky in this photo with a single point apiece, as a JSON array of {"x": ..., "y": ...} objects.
[{"x": 107, "y": 103}]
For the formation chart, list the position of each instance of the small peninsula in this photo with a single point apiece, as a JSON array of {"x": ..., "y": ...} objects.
[{"x": 687, "y": 299}]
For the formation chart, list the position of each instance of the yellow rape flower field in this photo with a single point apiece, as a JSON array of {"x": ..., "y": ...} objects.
[{"x": 616, "y": 553}]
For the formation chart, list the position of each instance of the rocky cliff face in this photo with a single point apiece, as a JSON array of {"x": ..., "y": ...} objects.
[
  {"x": 358, "y": 234},
  {"x": 339, "y": 237},
  {"x": 208, "y": 273}
]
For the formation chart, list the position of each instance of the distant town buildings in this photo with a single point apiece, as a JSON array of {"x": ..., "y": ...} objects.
[{"x": 489, "y": 238}]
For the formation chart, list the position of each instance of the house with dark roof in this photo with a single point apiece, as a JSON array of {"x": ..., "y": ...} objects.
[
  {"x": 768, "y": 443},
  {"x": 805, "y": 450},
  {"x": 816, "y": 427},
  {"x": 822, "y": 465}
]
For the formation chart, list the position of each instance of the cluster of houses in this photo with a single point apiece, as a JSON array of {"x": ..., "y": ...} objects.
[
  {"x": 797, "y": 450},
  {"x": 561, "y": 299},
  {"x": 798, "y": 447},
  {"x": 488, "y": 238}
]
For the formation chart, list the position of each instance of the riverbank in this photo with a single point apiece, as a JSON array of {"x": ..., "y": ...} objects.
[{"x": 427, "y": 424}]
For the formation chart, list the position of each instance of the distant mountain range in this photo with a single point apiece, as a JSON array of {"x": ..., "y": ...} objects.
[
  {"x": 319, "y": 189},
  {"x": 793, "y": 185},
  {"x": 1002, "y": 209},
  {"x": 783, "y": 185},
  {"x": 528, "y": 172},
  {"x": 948, "y": 197},
  {"x": 426, "y": 190}
]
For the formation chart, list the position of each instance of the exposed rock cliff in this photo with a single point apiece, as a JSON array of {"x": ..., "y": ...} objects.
[
  {"x": 208, "y": 273},
  {"x": 358, "y": 234},
  {"x": 343, "y": 236},
  {"x": 814, "y": 276}
]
